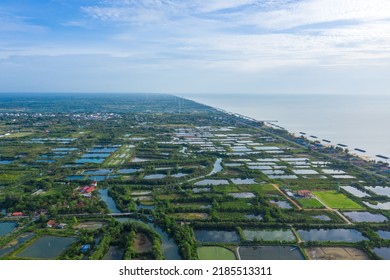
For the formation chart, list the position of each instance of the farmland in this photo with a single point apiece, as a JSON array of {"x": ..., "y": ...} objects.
[{"x": 135, "y": 178}]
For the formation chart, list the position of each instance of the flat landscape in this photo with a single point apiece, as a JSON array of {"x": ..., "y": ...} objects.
[{"x": 147, "y": 177}]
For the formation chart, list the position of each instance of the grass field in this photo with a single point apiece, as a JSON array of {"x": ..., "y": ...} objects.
[
  {"x": 337, "y": 200},
  {"x": 310, "y": 203},
  {"x": 215, "y": 253}
]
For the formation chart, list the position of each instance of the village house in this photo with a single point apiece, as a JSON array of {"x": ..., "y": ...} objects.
[
  {"x": 304, "y": 193},
  {"x": 51, "y": 223}
]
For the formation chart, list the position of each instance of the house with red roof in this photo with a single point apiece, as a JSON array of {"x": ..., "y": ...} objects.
[
  {"x": 51, "y": 223},
  {"x": 17, "y": 214}
]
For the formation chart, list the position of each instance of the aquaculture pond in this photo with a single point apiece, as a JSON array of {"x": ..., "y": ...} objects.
[
  {"x": 220, "y": 236},
  {"x": 215, "y": 253},
  {"x": 282, "y": 204},
  {"x": 95, "y": 155},
  {"x": 247, "y": 181},
  {"x": 179, "y": 175},
  {"x": 214, "y": 182},
  {"x": 383, "y": 252},
  {"x": 356, "y": 216},
  {"x": 98, "y": 172},
  {"x": 12, "y": 246},
  {"x": 254, "y": 217},
  {"x": 336, "y": 235},
  {"x": 378, "y": 205},
  {"x": 47, "y": 247},
  {"x": 270, "y": 253},
  {"x": 322, "y": 217},
  {"x": 6, "y": 227},
  {"x": 102, "y": 150},
  {"x": 90, "y": 160},
  {"x": 155, "y": 176},
  {"x": 380, "y": 190},
  {"x": 128, "y": 171},
  {"x": 242, "y": 195},
  {"x": 114, "y": 253},
  {"x": 268, "y": 235},
  {"x": 64, "y": 149},
  {"x": 356, "y": 192},
  {"x": 383, "y": 234},
  {"x": 200, "y": 190}
]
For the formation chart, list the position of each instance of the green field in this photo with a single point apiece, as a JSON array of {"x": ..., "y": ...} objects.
[
  {"x": 310, "y": 203},
  {"x": 337, "y": 200},
  {"x": 215, "y": 253}
]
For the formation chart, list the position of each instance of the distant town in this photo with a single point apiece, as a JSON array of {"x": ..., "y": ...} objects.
[{"x": 149, "y": 177}]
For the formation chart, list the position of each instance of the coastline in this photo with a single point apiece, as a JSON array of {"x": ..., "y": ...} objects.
[{"x": 324, "y": 142}]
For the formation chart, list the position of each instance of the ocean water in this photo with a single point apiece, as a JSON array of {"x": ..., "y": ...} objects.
[{"x": 360, "y": 121}]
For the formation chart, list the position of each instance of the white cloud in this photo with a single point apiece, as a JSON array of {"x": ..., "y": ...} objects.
[{"x": 320, "y": 11}]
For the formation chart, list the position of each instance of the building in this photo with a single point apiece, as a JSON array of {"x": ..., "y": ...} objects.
[
  {"x": 61, "y": 226},
  {"x": 17, "y": 214},
  {"x": 51, "y": 223},
  {"x": 304, "y": 193}
]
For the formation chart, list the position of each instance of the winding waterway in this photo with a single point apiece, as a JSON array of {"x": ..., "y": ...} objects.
[{"x": 169, "y": 246}]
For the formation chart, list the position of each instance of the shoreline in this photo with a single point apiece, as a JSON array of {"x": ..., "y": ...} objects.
[{"x": 306, "y": 136}]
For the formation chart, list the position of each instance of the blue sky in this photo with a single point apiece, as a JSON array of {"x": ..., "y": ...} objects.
[{"x": 180, "y": 47}]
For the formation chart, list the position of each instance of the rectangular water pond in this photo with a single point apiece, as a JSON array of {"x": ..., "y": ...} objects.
[
  {"x": 90, "y": 160},
  {"x": 239, "y": 181},
  {"x": 383, "y": 234},
  {"x": 220, "y": 236},
  {"x": 336, "y": 235},
  {"x": 13, "y": 245},
  {"x": 383, "y": 252},
  {"x": 282, "y": 204},
  {"x": 6, "y": 228},
  {"x": 356, "y": 216},
  {"x": 102, "y": 150},
  {"x": 47, "y": 247},
  {"x": 214, "y": 182},
  {"x": 95, "y": 155},
  {"x": 155, "y": 176},
  {"x": 356, "y": 192},
  {"x": 127, "y": 171},
  {"x": 98, "y": 172},
  {"x": 380, "y": 190},
  {"x": 243, "y": 195},
  {"x": 268, "y": 235},
  {"x": 270, "y": 253}
]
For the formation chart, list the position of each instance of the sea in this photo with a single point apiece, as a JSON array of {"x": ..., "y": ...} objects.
[{"x": 357, "y": 121}]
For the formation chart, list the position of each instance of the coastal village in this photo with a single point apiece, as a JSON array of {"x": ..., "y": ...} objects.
[{"x": 145, "y": 180}]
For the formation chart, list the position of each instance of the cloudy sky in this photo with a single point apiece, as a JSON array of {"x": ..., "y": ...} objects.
[{"x": 198, "y": 46}]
